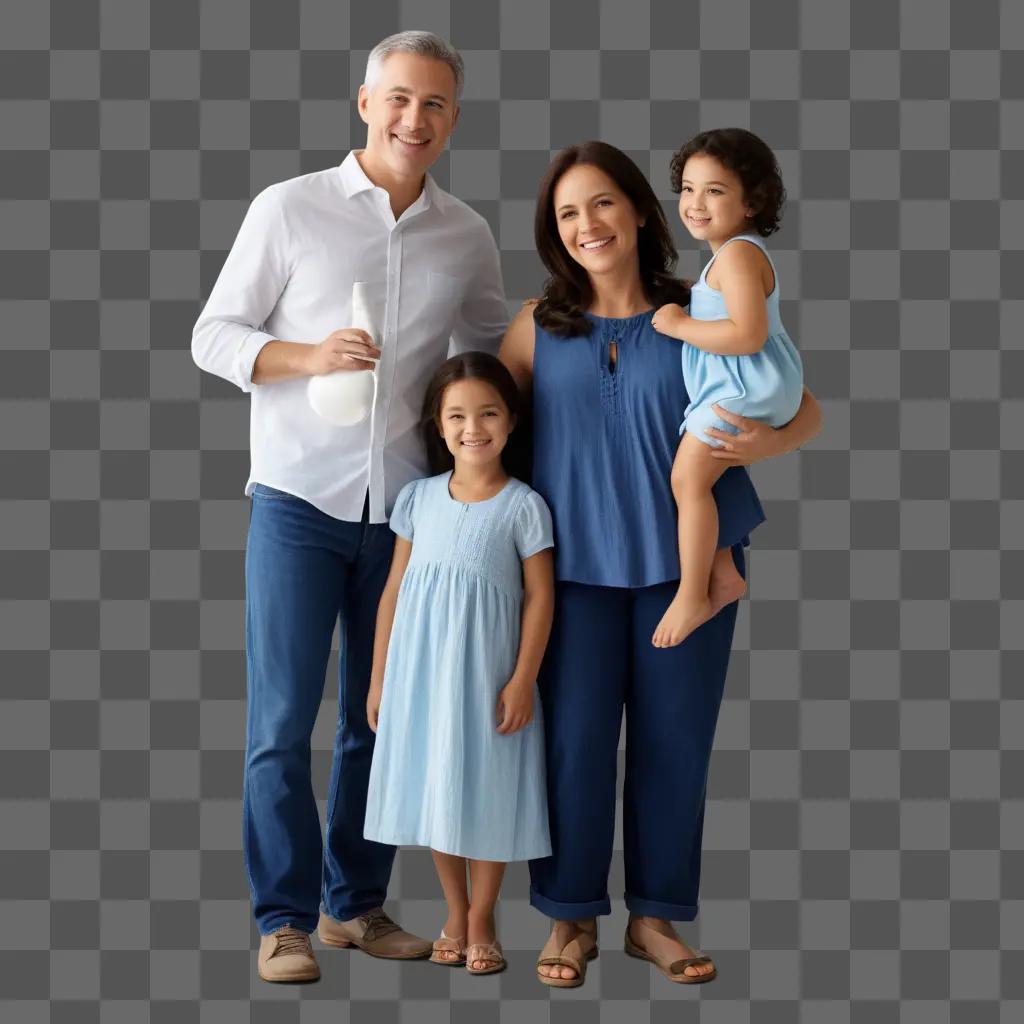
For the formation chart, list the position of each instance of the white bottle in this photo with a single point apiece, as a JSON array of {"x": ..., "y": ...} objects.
[{"x": 345, "y": 397}]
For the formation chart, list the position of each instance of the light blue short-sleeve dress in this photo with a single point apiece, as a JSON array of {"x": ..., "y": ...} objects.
[
  {"x": 442, "y": 775},
  {"x": 766, "y": 385}
]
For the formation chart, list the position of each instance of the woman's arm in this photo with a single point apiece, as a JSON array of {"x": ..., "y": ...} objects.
[
  {"x": 516, "y": 699},
  {"x": 516, "y": 350},
  {"x": 385, "y": 620},
  {"x": 757, "y": 440}
]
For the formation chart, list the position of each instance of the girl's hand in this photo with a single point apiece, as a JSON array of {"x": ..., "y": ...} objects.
[
  {"x": 671, "y": 319},
  {"x": 373, "y": 704},
  {"x": 755, "y": 441},
  {"x": 515, "y": 706}
]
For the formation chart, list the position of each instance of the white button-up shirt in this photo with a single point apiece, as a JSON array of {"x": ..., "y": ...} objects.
[{"x": 289, "y": 276}]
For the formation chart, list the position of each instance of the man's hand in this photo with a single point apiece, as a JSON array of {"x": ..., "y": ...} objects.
[
  {"x": 671, "y": 319},
  {"x": 346, "y": 349}
]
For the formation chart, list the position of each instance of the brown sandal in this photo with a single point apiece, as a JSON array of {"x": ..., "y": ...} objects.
[
  {"x": 489, "y": 952},
  {"x": 444, "y": 944},
  {"x": 674, "y": 970},
  {"x": 575, "y": 954}
]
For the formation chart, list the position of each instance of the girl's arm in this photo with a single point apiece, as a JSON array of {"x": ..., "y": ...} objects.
[
  {"x": 385, "y": 620},
  {"x": 740, "y": 270},
  {"x": 757, "y": 440},
  {"x": 515, "y": 702}
]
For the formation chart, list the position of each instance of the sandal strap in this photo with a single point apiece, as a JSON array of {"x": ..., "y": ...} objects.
[
  {"x": 444, "y": 943},
  {"x": 679, "y": 966},
  {"x": 485, "y": 951}
]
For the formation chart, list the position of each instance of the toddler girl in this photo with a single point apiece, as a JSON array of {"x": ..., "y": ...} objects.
[
  {"x": 465, "y": 616},
  {"x": 736, "y": 353}
]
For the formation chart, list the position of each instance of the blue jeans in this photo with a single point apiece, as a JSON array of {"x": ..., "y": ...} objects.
[{"x": 303, "y": 571}]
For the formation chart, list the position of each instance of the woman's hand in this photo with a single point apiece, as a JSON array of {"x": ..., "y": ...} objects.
[
  {"x": 755, "y": 441},
  {"x": 515, "y": 706}
]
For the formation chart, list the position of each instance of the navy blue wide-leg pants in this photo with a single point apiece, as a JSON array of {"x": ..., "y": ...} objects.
[{"x": 599, "y": 662}]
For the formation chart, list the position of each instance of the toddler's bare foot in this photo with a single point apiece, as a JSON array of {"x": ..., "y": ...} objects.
[
  {"x": 681, "y": 618},
  {"x": 727, "y": 585}
]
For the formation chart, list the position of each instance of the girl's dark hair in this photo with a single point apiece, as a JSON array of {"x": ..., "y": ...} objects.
[
  {"x": 568, "y": 292},
  {"x": 469, "y": 366},
  {"x": 751, "y": 160}
]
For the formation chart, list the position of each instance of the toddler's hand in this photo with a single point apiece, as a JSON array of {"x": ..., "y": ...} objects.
[
  {"x": 671, "y": 319},
  {"x": 515, "y": 707}
]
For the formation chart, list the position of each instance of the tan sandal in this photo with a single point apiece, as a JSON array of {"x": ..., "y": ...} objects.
[
  {"x": 491, "y": 953},
  {"x": 576, "y": 953},
  {"x": 446, "y": 944},
  {"x": 674, "y": 970}
]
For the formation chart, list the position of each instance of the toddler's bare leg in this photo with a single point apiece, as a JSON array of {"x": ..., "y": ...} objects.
[{"x": 694, "y": 472}]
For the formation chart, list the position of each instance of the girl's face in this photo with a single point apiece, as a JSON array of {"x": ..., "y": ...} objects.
[
  {"x": 475, "y": 422},
  {"x": 711, "y": 203},
  {"x": 596, "y": 221}
]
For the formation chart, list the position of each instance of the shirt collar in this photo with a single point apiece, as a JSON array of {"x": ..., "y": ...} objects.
[{"x": 354, "y": 181}]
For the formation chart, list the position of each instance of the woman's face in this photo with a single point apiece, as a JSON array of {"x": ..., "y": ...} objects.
[{"x": 596, "y": 221}]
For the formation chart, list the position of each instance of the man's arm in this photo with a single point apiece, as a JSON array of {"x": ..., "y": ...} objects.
[
  {"x": 484, "y": 314},
  {"x": 229, "y": 335}
]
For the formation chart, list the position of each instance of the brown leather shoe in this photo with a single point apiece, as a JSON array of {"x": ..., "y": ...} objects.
[
  {"x": 287, "y": 955},
  {"x": 374, "y": 933}
]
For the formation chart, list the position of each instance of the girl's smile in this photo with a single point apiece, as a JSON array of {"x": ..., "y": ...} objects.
[{"x": 474, "y": 422}]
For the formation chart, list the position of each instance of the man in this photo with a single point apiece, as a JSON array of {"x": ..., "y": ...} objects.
[{"x": 319, "y": 546}]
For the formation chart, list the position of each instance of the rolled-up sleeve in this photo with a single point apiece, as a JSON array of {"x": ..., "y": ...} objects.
[
  {"x": 229, "y": 333},
  {"x": 483, "y": 317}
]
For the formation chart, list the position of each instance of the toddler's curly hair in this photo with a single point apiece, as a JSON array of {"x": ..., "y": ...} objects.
[{"x": 751, "y": 160}]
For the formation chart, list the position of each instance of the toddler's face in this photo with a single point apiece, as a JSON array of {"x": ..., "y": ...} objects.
[
  {"x": 475, "y": 422},
  {"x": 711, "y": 203}
]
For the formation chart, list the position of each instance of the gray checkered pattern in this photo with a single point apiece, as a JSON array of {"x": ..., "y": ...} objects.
[{"x": 864, "y": 854}]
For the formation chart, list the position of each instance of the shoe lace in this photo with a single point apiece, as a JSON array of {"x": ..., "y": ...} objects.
[
  {"x": 291, "y": 940},
  {"x": 377, "y": 924}
]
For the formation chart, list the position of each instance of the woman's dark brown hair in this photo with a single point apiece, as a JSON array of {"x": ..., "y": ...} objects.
[
  {"x": 470, "y": 366},
  {"x": 568, "y": 292},
  {"x": 751, "y": 160}
]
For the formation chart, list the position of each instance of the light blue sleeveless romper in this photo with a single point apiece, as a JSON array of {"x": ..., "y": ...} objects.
[{"x": 766, "y": 386}]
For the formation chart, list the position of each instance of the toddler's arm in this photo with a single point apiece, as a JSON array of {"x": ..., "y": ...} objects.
[
  {"x": 385, "y": 620},
  {"x": 746, "y": 329}
]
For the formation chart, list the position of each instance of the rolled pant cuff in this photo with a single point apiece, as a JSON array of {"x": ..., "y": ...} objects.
[
  {"x": 654, "y": 908},
  {"x": 569, "y": 911}
]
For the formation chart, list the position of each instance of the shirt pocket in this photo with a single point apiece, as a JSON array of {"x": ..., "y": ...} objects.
[{"x": 442, "y": 303}]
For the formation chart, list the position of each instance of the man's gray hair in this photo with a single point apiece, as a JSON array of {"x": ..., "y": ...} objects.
[{"x": 423, "y": 44}]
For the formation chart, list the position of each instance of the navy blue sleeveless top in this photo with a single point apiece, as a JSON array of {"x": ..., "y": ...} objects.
[{"x": 604, "y": 441}]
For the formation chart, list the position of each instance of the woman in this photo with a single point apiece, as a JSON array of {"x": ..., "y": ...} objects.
[{"x": 607, "y": 396}]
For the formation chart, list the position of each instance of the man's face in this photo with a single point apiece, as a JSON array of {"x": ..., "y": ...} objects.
[{"x": 409, "y": 113}]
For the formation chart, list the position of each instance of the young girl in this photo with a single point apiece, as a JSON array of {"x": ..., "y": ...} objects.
[
  {"x": 737, "y": 355},
  {"x": 458, "y": 764}
]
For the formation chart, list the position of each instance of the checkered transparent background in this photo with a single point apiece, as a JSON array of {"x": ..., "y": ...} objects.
[{"x": 864, "y": 848}]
